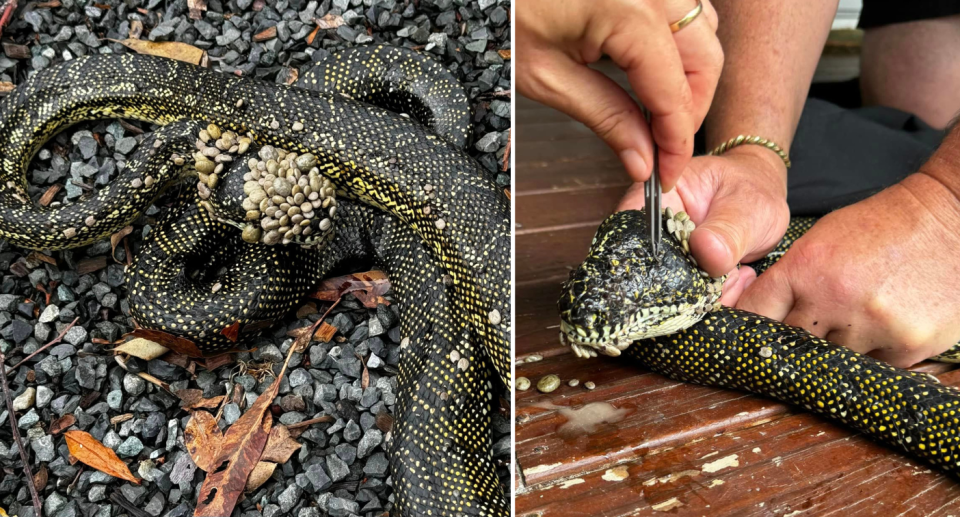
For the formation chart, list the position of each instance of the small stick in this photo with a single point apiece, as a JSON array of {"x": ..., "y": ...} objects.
[
  {"x": 319, "y": 420},
  {"x": 38, "y": 508},
  {"x": 506, "y": 152},
  {"x": 44, "y": 347}
]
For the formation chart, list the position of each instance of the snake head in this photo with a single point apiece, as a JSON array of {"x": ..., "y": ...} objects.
[{"x": 622, "y": 293}]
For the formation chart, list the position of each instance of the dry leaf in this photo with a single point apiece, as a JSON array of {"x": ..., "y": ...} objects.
[
  {"x": 136, "y": 29},
  {"x": 6, "y": 87},
  {"x": 153, "y": 380},
  {"x": 325, "y": 333},
  {"x": 116, "y": 238},
  {"x": 505, "y": 54},
  {"x": 204, "y": 440},
  {"x": 242, "y": 446},
  {"x": 119, "y": 419},
  {"x": 266, "y": 34},
  {"x": 279, "y": 445},
  {"x": 365, "y": 377},
  {"x": 193, "y": 399},
  {"x": 368, "y": 287},
  {"x": 62, "y": 423},
  {"x": 212, "y": 363},
  {"x": 329, "y": 21},
  {"x": 232, "y": 332},
  {"x": 310, "y": 38},
  {"x": 91, "y": 265},
  {"x": 48, "y": 195},
  {"x": 142, "y": 348},
  {"x": 41, "y": 477},
  {"x": 245, "y": 440},
  {"x": 177, "y": 344},
  {"x": 86, "y": 449},
  {"x": 171, "y": 49},
  {"x": 196, "y": 8},
  {"x": 384, "y": 422},
  {"x": 261, "y": 473}
]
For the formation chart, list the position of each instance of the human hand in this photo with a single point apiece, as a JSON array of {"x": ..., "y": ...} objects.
[
  {"x": 739, "y": 204},
  {"x": 880, "y": 276},
  {"x": 673, "y": 74}
]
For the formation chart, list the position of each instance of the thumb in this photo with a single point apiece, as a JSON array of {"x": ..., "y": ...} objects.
[
  {"x": 600, "y": 104},
  {"x": 722, "y": 238}
]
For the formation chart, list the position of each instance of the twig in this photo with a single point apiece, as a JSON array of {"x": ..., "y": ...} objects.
[
  {"x": 8, "y": 8},
  {"x": 44, "y": 347},
  {"x": 38, "y": 508},
  {"x": 319, "y": 420},
  {"x": 506, "y": 152}
]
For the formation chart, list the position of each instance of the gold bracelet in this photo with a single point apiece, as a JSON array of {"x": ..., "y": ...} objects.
[{"x": 749, "y": 139}]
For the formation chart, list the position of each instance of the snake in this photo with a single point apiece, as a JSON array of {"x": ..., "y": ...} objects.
[
  {"x": 372, "y": 141},
  {"x": 663, "y": 312}
]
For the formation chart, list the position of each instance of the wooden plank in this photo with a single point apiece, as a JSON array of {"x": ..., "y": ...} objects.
[
  {"x": 545, "y": 176},
  {"x": 784, "y": 464},
  {"x": 549, "y": 255},
  {"x": 567, "y": 208}
]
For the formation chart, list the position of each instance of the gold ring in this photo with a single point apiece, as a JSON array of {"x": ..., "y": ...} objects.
[{"x": 692, "y": 15}]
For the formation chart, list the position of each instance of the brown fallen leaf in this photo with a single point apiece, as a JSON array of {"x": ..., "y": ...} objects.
[
  {"x": 119, "y": 419},
  {"x": 384, "y": 422},
  {"x": 368, "y": 287},
  {"x": 86, "y": 449},
  {"x": 15, "y": 51},
  {"x": 62, "y": 423},
  {"x": 204, "y": 440},
  {"x": 177, "y": 344},
  {"x": 365, "y": 376},
  {"x": 267, "y": 34},
  {"x": 280, "y": 445},
  {"x": 170, "y": 49},
  {"x": 115, "y": 240},
  {"x": 38, "y": 257},
  {"x": 261, "y": 473},
  {"x": 136, "y": 29},
  {"x": 505, "y": 54},
  {"x": 49, "y": 194},
  {"x": 6, "y": 87},
  {"x": 325, "y": 333},
  {"x": 329, "y": 21},
  {"x": 310, "y": 37},
  {"x": 193, "y": 399},
  {"x": 212, "y": 363},
  {"x": 40, "y": 478},
  {"x": 91, "y": 264},
  {"x": 241, "y": 448},
  {"x": 142, "y": 348},
  {"x": 232, "y": 332},
  {"x": 197, "y": 7}
]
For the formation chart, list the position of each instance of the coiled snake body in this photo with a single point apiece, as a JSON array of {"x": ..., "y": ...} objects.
[
  {"x": 663, "y": 312},
  {"x": 407, "y": 196}
]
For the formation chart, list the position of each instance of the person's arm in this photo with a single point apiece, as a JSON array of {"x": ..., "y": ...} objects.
[
  {"x": 771, "y": 50},
  {"x": 738, "y": 200}
]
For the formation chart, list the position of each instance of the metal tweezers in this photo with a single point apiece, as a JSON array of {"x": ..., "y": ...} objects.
[{"x": 653, "y": 199}]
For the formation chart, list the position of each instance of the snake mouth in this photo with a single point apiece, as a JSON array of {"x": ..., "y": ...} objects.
[{"x": 645, "y": 323}]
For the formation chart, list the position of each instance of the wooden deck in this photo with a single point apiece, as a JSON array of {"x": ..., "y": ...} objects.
[{"x": 681, "y": 449}]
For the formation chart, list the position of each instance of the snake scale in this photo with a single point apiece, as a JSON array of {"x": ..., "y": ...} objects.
[
  {"x": 664, "y": 313},
  {"x": 361, "y": 160}
]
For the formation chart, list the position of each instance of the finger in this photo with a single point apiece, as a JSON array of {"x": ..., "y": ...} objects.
[
  {"x": 643, "y": 46},
  {"x": 702, "y": 58},
  {"x": 710, "y": 13},
  {"x": 724, "y": 236},
  {"x": 769, "y": 295},
  {"x": 736, "y": 283},
  {"x": 602, "y": 105}
]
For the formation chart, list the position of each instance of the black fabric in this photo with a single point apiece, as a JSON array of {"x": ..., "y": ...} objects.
[
  {"x": 841, "y": 156},
  {"x": 876, "y": 13}
]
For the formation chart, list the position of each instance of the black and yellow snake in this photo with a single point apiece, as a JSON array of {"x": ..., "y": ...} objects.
[
  {"x": 664, "y": 312},
  {"x": 400, "y": 191}
]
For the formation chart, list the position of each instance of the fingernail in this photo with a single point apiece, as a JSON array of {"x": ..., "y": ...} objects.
[{"x": 636, "y": 167}]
